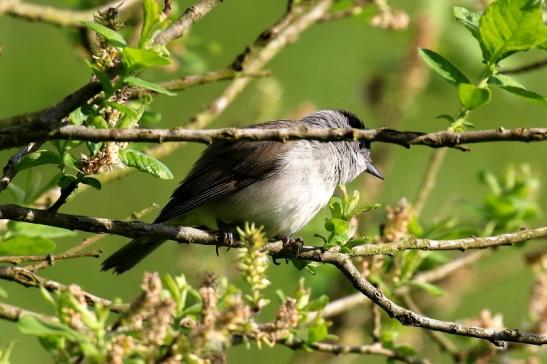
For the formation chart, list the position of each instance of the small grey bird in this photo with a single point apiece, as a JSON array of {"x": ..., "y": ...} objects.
[{"x": 280, "y": 186}]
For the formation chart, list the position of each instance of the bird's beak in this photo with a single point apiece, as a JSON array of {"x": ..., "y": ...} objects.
[{"x": 372, "y": 170}]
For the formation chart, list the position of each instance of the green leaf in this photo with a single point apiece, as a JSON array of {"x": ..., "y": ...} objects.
[
  {"x": 19, "y": 228},
  {"x": 98, "y": 122},
  {"x": 145, "y": 163},
  {"x": 77, "y": 117},
  {"x": 336, "y": 226},
  {"x": 510, "y": 26},
  {"x": 69, "y": 160},
  {"x": 126, "y": 110},
  {"x": 317, "y": 304},
  {"x": 299, "y": 263},
  {"x": 468, "y": 18},
  {"x": 129, "y": 121},
  {"x": 443, "y": 67},
  {"x": 139, "y": 82},
  {"x": 472, "y": 96},
  {"x": 91, "y": 181},
  {"x": 133, "y": 58},
  {"x": 38, "y": 158},
  {"x": 110, "y": 35},
  {"x": 428, "y": 287},
  {"x": 3, "y": 293},
  {"x": 336, "y": 207},
  {"x": 151, "y": 15},
  {"x": 513, "y": 86},
  {"x": 36, "y": 326},
  {"x": 26, "y": 245},
  {"x": 6, "y": 353},
  {"x": 317, "y": 332},
  {"x": 65, "y": 180},
  {"x": 103, "y": 78}
]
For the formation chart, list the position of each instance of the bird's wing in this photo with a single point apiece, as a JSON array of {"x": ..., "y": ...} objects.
[{"x": 224, "y": 168}]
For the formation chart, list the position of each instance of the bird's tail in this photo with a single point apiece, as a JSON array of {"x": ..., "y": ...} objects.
[{"x": 130, "y": 254}]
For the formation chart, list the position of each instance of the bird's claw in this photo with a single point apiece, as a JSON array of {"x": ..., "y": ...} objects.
[
  {"x": 292, "y": 246},
  {"x": 226, "y": 239}
]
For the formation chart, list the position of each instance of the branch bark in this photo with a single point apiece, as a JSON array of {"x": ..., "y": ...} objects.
[
  {"x": 28, "y": 278},
  {"x": 278, "y": 249},
  {"x": 14, "y": 313},
  {"x": 11, "y": 137},
  {"x": 55, "y": 16}
]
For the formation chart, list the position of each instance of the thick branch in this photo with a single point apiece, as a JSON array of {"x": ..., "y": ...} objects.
[
  {"x": 15, "y": 136},
  {"x": 135, "y": 229},
  {"x": 341, "y": 261}
]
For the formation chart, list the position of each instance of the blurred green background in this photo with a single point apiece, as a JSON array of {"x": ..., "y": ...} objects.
[{"x": 329, "y": 67}]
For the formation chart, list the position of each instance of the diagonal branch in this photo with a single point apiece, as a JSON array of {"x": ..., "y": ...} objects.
[{"x": 410, "y": 318}]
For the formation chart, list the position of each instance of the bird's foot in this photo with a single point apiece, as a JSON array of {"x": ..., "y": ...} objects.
[
  {"x": 291, "y": 247},
  {"x": 226, "y": 238}
]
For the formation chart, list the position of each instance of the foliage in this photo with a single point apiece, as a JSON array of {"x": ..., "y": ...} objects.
[
  {"x": 505, "y": 28},
  {"x": 171, "y": 320}
]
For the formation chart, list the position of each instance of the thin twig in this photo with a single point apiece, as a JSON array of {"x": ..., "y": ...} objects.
[
  {"x": 66, "y": 191},
  {"x": 429, "y": 180},
  {"x": 526, "y": 68},
  {"x": 10, "y": 169},
  {"x": 376, "y": 323},
  {"x": 50, "y": 118},
  {"x": 443, "y": 271},
  {"x": 28, "y": 278},
  {"x": 251, "y": 61},
  {"x": 410, "y": 318},
  {"x": 444, "y": 343},
  {"x": 49, "y": 259},
  {"x": 351, "y": 301},
  {"x": 193, "y": 14},
  {"x": 373, "y": 349},
  {"x": 93, "y": 239},
  {"x": 55, "y": 16},
  {"x": 14, "y": 313}
]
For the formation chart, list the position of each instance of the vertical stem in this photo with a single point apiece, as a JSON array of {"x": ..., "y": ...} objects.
[{"x": 429, "y": 180}]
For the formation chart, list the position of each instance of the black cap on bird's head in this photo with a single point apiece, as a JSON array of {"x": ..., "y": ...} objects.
[{"x": 364, "y": 145}]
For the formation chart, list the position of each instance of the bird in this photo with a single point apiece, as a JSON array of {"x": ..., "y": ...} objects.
[{"x": 280, "y": 186}]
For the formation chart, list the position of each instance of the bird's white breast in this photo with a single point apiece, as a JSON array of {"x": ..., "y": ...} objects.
[{"x": 283, "y": 202}]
